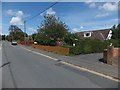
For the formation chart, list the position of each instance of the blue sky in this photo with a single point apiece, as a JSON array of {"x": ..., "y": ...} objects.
[{"x": 79, "y": 16}]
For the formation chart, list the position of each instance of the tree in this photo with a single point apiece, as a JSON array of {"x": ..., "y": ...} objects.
[
  {"x": 71, "y": 38},
  {"x": 52, "y": 28},
  {"x": 0, "y": 37},
  {"x": 15, "y": 33},
  {"x": 116, "y": 32},
  {"x": 34, "y": 36},
  {"x": 3, "y": 37}
]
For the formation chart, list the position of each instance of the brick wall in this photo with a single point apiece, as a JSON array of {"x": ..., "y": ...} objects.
[
  {"x": 55, "y": 49},
  {"x": 116, "y": 52},
  {"x": 28, "y": 43},
  {"x": 112, "y": 55}
]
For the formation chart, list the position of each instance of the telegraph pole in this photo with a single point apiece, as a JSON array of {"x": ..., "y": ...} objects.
[
  {"x": 34, "y": 17},
  {"x": 25, "y": 32}
]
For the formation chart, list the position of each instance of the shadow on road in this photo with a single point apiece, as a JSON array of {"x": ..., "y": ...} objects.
[{"x": 102, "y": 60}]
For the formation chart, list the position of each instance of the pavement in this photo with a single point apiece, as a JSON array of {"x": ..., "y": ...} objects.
[
  {"x": 29, "y": 69},
  {"x": 89, "y": 61}
]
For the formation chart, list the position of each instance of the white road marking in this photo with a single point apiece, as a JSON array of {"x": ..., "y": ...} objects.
[
  {"x": 41, "y": 54},
  {"x": 91, "y": 71},
  {"x": 75, "y": 66}
]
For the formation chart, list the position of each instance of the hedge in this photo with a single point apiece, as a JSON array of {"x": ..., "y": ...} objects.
[{"x": 87, "y": 46}]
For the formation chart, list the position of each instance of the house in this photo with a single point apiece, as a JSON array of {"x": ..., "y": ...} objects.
[{"x": 103, "y": 34}]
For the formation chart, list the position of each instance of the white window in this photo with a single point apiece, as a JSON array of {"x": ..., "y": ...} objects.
[{"x": 87, "y": 34}]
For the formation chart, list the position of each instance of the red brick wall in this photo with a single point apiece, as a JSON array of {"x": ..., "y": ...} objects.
[
  {"x": 55, "y": 49},
  {"x": 112, "y": 55},
  {"x": 116, "y": 57},
  {"x": 116, "y": 52},
  {"x": 29, "y": 43}
]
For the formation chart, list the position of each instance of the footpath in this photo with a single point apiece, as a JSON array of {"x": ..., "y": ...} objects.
[{"x": 89, "y": 61}]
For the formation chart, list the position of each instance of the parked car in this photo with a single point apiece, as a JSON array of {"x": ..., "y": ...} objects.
[{"x": 14, "y": 42}]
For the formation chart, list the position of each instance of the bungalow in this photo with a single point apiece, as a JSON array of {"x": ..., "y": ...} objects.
[{"x": 103, "y": 34}]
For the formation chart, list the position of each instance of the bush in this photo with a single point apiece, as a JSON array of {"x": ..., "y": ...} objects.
[
  {"x": 87, "y": 46},
  {"x": 44, "y": 40},
  {"x": 115, "y": 42},
  {"x": 70, "y": 38},
  {"x": 87, "y": 49},
  {"x": 97, "y": 46},
  {"x": 75, "y": 50}
]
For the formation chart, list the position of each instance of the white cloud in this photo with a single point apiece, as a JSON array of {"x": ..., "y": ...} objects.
[
  {"x": 32, "y": 29},
  {"x": 14, "y": 13},
  {"x": 117, "y": 19},
  {"x": 88, "y": 1},
  {"x": 92, "y": 5},
  {"x": 50, "y": 11},
  {"x": 81, "y": 27},
  {"x": 19, "y": 13},
  {"x": 75, "y": 30},
  {"x": 17, "y": 17},
  {"x": 102, "y": 15},
  {"x": 109, "y": 6},
  {"x": 16, "y": 21},
  {"x": 41, "y": 14},
  {"x": 10, "y": 12}
]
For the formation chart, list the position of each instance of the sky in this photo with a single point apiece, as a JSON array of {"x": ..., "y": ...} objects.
[{"x": 78, "y": 16}]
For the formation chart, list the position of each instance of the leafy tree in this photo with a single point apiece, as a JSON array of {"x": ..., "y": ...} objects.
[
  {"x": 52, "y": 28},
  {"x": 3, "y": 37},
  {"x": 44, "y": 40},
  {"x": 0, "y": 37},
  {"x": 15, "y": 33},
  {"x": 116, "y": 32},
  {"x": 34, "y": 36},
  {"x": 70, "y": 38}
]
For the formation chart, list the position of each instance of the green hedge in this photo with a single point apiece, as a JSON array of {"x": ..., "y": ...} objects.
[
  {"x": 115, "y": 42},
  {"x": 87, "y": 46},
  {"x": 75, "y": 50}
]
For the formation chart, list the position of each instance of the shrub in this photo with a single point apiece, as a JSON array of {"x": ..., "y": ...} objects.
[
  {"x": 87, "y": 46},
  {"x": 87, "y": 49},
  {"x": 75, "y": 50},
  {"x": 115, "y": 42},
  {"x": 44, "y": 40}
]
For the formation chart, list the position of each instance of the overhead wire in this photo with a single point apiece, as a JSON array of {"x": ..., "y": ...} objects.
[{"x": 41, "y": 12}]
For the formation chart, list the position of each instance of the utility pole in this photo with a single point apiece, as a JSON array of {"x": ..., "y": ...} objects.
[
  {"x": 34, "y": 17},
  {"x": 25, "y": 32}
]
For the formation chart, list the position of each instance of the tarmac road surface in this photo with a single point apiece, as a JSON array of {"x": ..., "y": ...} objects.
[{"x": 29, "y": 70}]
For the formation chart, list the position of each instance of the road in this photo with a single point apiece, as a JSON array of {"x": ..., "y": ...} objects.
[
  {"x": 30, "y": 70},
  {"x": 0, "y": 65}
]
